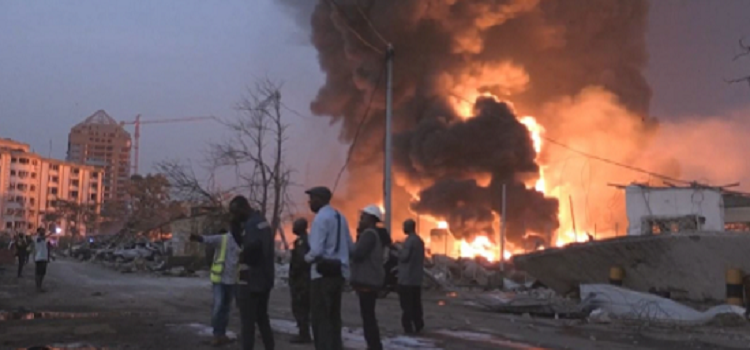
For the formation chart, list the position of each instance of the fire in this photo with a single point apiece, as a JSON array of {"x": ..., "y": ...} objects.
[{"x": 536, "y": 130}]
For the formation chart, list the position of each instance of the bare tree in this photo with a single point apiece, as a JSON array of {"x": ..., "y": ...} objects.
[
  {"x": 744, "y": 51},
  {"x": 256, "y": 151}
]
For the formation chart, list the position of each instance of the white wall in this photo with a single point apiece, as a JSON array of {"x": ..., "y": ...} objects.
[{"x": 649, "y": 201}]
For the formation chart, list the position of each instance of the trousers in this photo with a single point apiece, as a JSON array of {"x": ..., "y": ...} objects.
[
  {"x": 326, "y": 312},
  {"x": 254, "y": 310},
  {"x": 410, "y": 298},
  {"x": 223, "y": 295},
  {"x": 300, "y": 293},
  {"x": 367, "y": 301},
  {"x": 22, "y": 258}
]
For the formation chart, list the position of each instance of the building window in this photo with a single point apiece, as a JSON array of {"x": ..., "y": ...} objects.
[
  {"x": 75, "y": 183},
  {"x": 9, "y": 212},
  {"x": 54, "y": 179},
  {"x": 32, "y": 188},
  {"x": 23, "y": 174},
  {"x": 54, "y": 167},
  {"x": 12, "y": 173},
  {"x": 75, "y": 171},
  {"x": 95, "y": 175},
  {"x": 11, "y": 186},
  {"x": 21, "y": 187},
  {"x": 93, "y": 197},
  {"x": 52, "y": 190},
  {"x": 14, "y": 160},
  {"x": 73, "y": 194},
  {"x": 24, "y": 160},
  {"x": 33, "y": 162},
  {"x": 8, "y": 225},
  {"x": 32, "y": 200},
  {"x": 33, "y": 175}
]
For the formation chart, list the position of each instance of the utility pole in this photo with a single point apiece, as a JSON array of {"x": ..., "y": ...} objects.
[
  {"x": 388, "y": 137},
  {"x": 502, "y": 233},
  {"x": 573, "y": 217}
]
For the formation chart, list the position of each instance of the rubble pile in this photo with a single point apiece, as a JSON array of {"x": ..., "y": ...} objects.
[
  {"x": 463, "y": 272},
  {"x": 129, "y": 254}
]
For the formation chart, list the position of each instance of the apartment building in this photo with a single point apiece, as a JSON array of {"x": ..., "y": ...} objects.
[
  {"x": 100, "y": 140},
  {"x": 32, "y": 186}
]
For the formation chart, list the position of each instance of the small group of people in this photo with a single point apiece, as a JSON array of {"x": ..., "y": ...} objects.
[
  {"x": 321, "y": 263},
  {"x": 40, "y": 247}
]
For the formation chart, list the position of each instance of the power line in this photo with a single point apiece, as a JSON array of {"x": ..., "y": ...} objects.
[
  {"x": 359, "y": 129},
  {"x": 353, "y": 31},
  {"x": 377, "y": 33},
  {"x": 595, "y": 157},
  {"x": 612, "y": 162}
]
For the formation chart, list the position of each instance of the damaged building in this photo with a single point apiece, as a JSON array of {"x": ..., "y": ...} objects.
[{"x": 680, "y": 241}]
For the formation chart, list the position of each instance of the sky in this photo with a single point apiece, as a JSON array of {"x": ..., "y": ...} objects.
[{"x": 60, "y": 61}]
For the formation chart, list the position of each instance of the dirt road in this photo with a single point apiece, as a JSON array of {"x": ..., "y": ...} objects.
[{"x": 89, "y": 304}]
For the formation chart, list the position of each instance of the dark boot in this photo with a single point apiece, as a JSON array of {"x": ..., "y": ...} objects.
[{"x": 303, "y": 337}]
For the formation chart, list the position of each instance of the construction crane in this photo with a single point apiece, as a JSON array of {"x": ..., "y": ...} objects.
[{"x": 137, "y": 135}]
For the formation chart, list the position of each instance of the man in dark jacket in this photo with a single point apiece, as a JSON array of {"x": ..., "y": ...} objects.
[
  {"x": 410, "y": 275},
  {"x": 299, "y": 282},
  {"x": 256, "y": 271},
  {"x": 367, "y": 273}
]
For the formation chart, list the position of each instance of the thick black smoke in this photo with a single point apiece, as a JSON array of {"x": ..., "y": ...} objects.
[
  {"x": 559, "y": 46},
  {"x": 444, "y": 156}
]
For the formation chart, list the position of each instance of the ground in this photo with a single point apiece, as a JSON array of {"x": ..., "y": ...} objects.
[{"x": 89, "y": 304}]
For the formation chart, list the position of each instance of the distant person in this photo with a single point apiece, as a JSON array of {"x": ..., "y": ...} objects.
[
  {"x": 42, "y": 256},
  {"x": 22, "y": 246},
  {"x": 256, "y": 271},
  {"x": 224, "y": 276},
  {"x": 367, "y": 272},
  {"x": 329, "y": 253},
  {"x": 410, "y": 275},
  {"x": 299, "y": 282}
]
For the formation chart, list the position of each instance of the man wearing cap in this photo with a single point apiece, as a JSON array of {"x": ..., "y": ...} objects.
[
  {"x": 329, "y": 242},
  {"x": 368, "y": 273}
]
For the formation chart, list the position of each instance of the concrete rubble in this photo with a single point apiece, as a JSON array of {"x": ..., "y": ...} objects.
[{"x": 612, "y": 302}]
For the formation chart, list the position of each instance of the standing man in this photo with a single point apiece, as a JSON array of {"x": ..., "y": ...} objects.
[
  {"x": 256, "y": 271},
  {"x": 410, "y": 275},
  {"x": 224, "y": 275},
  {"x": 329, "y": 254},
  {"x": 21, "y": 245},
  {"x": 299, "y": 282},
  {"x": 42, "y": 256},
  {"x": 368, "y": 273}
]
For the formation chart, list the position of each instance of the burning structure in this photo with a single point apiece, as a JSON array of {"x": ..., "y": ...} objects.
[{"x": 479, "y": 88}]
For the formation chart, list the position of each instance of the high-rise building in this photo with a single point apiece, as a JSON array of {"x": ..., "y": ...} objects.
[
  {"x": 37, "y": 191},
  {"x": 100, "y": 140}
]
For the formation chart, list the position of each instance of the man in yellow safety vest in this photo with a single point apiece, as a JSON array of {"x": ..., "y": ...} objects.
[{"x": 224, "y": 276}]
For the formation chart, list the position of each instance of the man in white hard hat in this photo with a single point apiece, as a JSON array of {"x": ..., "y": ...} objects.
[{"x": 367, "y": 273}]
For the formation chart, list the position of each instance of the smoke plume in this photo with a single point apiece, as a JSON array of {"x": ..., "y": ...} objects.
[{"x": 529, "y": 53}]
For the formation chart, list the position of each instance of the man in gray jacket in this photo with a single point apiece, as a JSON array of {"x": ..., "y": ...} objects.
[
  {"x": 368, "y": 273},
  {"x": 256, "y": 271},
  {"x": 410, "y": 275}
]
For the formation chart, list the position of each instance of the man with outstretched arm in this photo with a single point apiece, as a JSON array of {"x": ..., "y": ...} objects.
[{"x": 224, "y": 275}]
